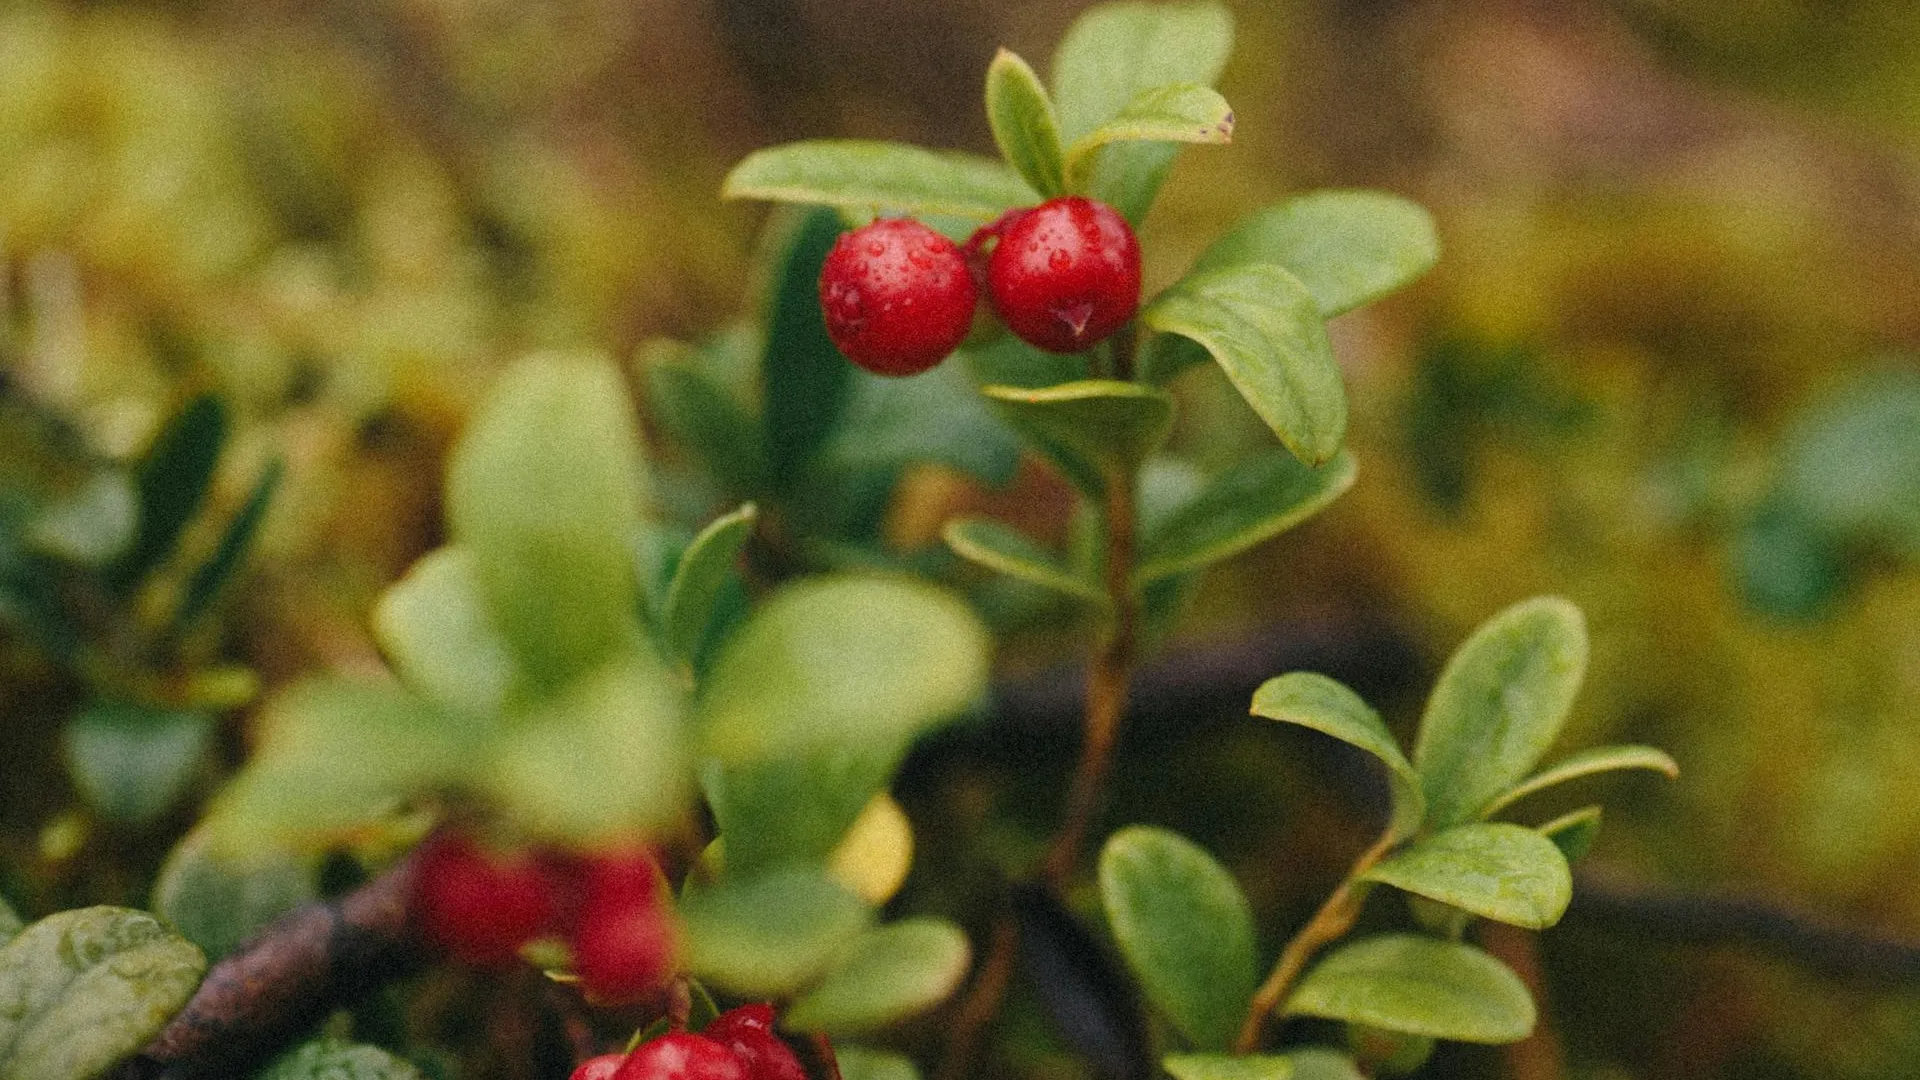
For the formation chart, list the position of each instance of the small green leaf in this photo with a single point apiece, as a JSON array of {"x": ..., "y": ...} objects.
[
  {"x": 1177, "y": 112},
  {"x": 1315, "y": 701},
  {"x": 1095, "y": 430},
  {"x": 1574, "y": 832},
  {"x": 1321, "y": 1063},
  {"x": 1254, "y": 501},
  {"x": 1586, "y": 763},
  {"x": 328, "y": 1058},
  {"x": 434, "y": 626},
  {"x": 1507, "y": 873},
  {"x": 84, "y": 989},
  {"x": 1021, "y": 116},
  {"x": 768, "y": 936},
  {"x": 935, "y": 417},
  {"x": 698, "y": 414},
  {"x": 171, "y": 482},
  {"x": 862, "y": 1063},
  {"x": 998, "y": 547},
  {"x": 544, "y": 489},
  {"x": 886, "y": 975},
  {"x": 211, "y": 575},
  {"x": 805, "y": 379},
  {"x": 1347, "y": 247},
  {"x": 878, "y": 177},
  {"x": 219, "y": 902},
  {"x": 133, "y": 763},
  {"x": 1228, "y": 1067},
  {"x": 1499, "y": 704},
  {"x": 705, "y": 567},
  {"x": 840, "y": 660},
  {"x": 1185, "y": 929},
  {"x": 795, "y": 808},
  {"x": 1264, "y": 329},
  {"x": 1420, "y": 986}
]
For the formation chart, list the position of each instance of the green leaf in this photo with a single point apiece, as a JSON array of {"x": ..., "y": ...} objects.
[
  {"x": 599, "y": 762},
  {"x": 133, "y": 763},
  {"x": 705, "y": 568},
  {"x": 1499, "y": 704},
  {"x": 1784, "y": 565},
  {"x": 862, "y": 1063},
  {"x": 84, "y": 989},
  {"x": 1228, "y": 1067},
  {"x": 544, "y": 489},
  {"x": 1574, "y": 833},
  {"x": 886, "y": 975},
  {"x": 218, "y": 903},
  {"x": 935, "y": 417},
  {"x": 770, "y": 935},
  {"x": 698, "y": 414},
  {"x": 10, "y": 922},
  {"x": 795, "y": 808},
  {"x": 1252, "y": 502},
  {"x": 839, "y": 660},
  {"x": 1347, "y": 247},
  {"x": 1112, "y": 53},
  {"x": 1507, "y": 873},
  {"x": 1024, "y": 128},
  {"x": 171, "y": 482},
  {"x": 1315, "y": 701},
  {"x": 1420, "y": 986},
  {"x": 211, "y": 575},
  {"x": 1264, "y": 329},
  {"x": 878, "y": 177},
  {"x": 1185, "y": 929},
  {"x": 1095, "y": 430},
  {"x": 91, "y": 525},
  {"x": 1587, "y": 763},
  {"x": 1852, "y": 464},
  {"x": 434, "y": 626},
  {"x": 1005, "y": 360},
  {"x": 1177, "y": 112},
  {"x": 999, "y": 547},
  {"x": 1320, "y": 1063},
  {"x": 805, "y": 379},
  {"x": 327, "y": 1058}
]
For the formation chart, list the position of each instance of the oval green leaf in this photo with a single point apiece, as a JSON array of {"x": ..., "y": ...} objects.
[
  {"x": 86, "y": 988},
  {"x": 805, "y": 381},
  {"x": 170, "y": 483},
  {"x": 879, "y": 177},
  {"x": 435, "y": 628},
  {"x": 699, "y": 415},
  {"x": 1498, "y": 706},
  {"x": 794, "y": 808},
  {"x": 1228, "y": 1067},
  {"x": 1347, "y": 247},
  {"x": 862, "y": 1063},
  {"x": 998, "y": 547},
  {"x": 1177, "y": 112},
  {"x": 1587, "y": 763},
  {"x": 1420, "y": 986},
  {"x": 212, "y": 575},
  {"x": 218, "y": 902},
  {"x": 888, "y": 974},
  {"x": 331, "y": 1059},
  {"x": 132, "y": 763},
  {"x": 1185, "y": 929},
  {"x": 1507, "y": 873},
  {"x": 1318, "y": 702},
  {"x": 1574, "y": 832},
  {"x": 1264, "y": 329},
  {"x": 705, "y": 567},
  {"x": 1095, "y": 430},
  {"x": 770, "y": 935},
  {"x": 1021, "y": 116},
  {"x": 937, "y": 416},
  {"x": 1252, "y": 502}
]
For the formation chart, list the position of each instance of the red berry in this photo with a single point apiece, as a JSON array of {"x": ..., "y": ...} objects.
[
  {"x": 682, "y": 1057},
  {"x": 748, "y": 1032},
  {"x": 1065, "y": 274},
  {"x": 623, "y": 944},
  {"x": 482, "y": 905},
  {"x": 897, "y": 296},
  {"x": 599, "y": 1068}
]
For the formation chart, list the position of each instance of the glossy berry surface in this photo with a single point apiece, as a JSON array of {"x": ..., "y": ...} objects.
[
  {"x": 1065, "y": 274},
  {"x": 682, "y": 1057},
  {"x": 896, "y": 296},
  {"x": 748, "y": 1032},
  {"x": 604, "y": 1067},
  {"x": 482, "y": 905},
  {"x": 623, "y": 943}
]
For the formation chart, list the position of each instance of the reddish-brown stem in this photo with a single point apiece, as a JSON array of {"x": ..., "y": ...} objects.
[{"x": 982, "y": 1001}]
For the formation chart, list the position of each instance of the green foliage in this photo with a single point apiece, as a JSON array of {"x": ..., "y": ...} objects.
[
  {"x": 1348, "y": 248},
  {"x": 935, "y": 417},
  {"x": 210, "y": 576},
  {"x": 1600, "y": 759},
  {"x": 862, "y": 1063},
  {"x": 1502, "y": 872},
  {"x": 1223, "y": 1067},
  {"x": 807, "y": 381},
  {"x": 1320, "y": 703},
  {"x": 437, "y": 632},
  {"x": 795, "y": 808},
  {"x": 1420, "y": 986},
  {"x": 1574, "y": 832},
  {"x": 870, "y": 176},
  {"x": 1097, "y": 431},
  {"x": 218, "y": 903},
  {"x": 1255, "y": 500},
  {"x": 87, "y": 988},
  {"x": 699, "y": 414},
  {"x": 705, "y": 569},
  {"x": 1174, "y": 113},
  {"x": 1023, "y": 123},
  {"x": 885, "y": 975},
  {"x": 170, "y": 483},
  {"x": 133, "y": 763},
  {"x": 998, "y": 547},
  {"x": 1185, "y": 929},
  {"x": 330, "y": 1059},
  {"x": 769, "y": 935}
]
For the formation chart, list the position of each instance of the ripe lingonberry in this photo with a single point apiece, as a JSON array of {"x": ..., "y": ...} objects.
[
  {"x": 682, "y": 1056},
  {"x": 897, "y": 296},
  {"x": 481, "y": 905},
  {"x": 603, "y": 1067},
  {"x": 1065, "y": 274},
  {"x": 748, "y": 1032},
  {"x": 623, "y": 943}
]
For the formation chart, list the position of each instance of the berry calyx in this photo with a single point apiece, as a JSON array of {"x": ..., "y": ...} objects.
[
  {"x": 623, "y": 943},
  {"x": 896, "y": 296},
  {"x": 682, "y": 1056},
  {"x": 1065, "y": 274},
  {"x": 482, "y": 905},
  {"x": 603, "y": 1067},
  {"x": 748, "y": 1032}
]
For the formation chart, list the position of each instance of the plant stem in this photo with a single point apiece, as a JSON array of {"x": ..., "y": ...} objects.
[
  {"x": 1335, "y": 917},
  {"x": 982, "y": 1000}
]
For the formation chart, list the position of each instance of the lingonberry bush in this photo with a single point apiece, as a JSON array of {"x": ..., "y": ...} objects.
[{"x": 652, "y": 761}]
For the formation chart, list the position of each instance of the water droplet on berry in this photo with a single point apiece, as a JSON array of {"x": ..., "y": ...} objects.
[{"x": 1059, "y": 260}]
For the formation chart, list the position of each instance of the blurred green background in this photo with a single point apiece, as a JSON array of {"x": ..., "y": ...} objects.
[{"x": 1669, "y": 366}]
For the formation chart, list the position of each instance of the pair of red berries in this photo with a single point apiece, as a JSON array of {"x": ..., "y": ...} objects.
[
  {"x": 738, "y": 1045},
  {"x": 613, "y": 907},
  {"x": 898, "y": 297}
]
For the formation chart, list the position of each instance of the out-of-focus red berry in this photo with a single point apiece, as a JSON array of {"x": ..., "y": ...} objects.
[
  {"x": 896, "y": 296},
  {"x": 1065, "y": 274},
  {"x": 623, "y": 943},
  {"x": 482, "y": 905},
  {"x": 748, "y": 1032},
  {"x": 682, "y": 1056},
  {"x": 603, "y": 1067}
]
